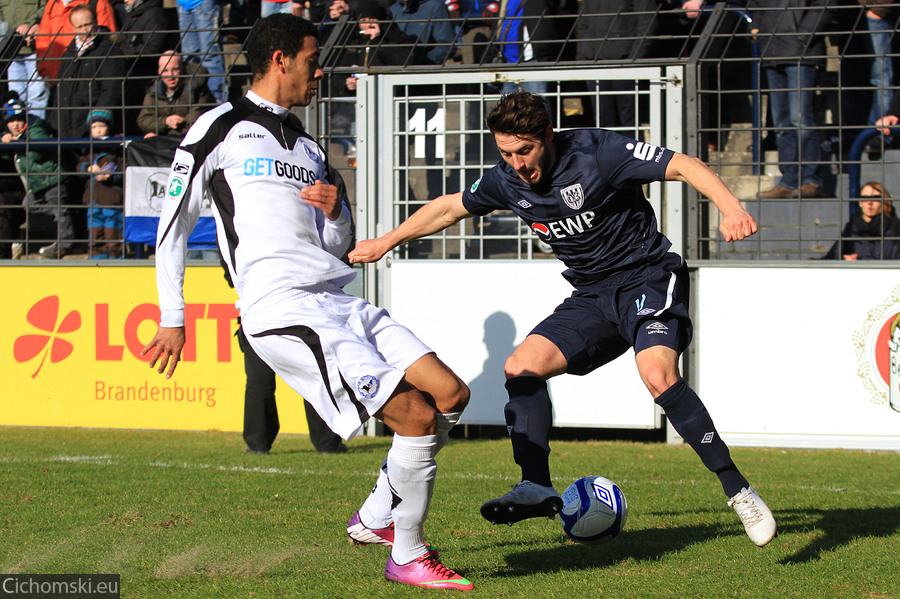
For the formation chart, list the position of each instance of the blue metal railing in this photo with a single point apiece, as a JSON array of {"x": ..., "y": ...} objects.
[{"x": 854, "y": 167}]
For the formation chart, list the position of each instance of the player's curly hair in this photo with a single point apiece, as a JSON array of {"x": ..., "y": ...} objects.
[
  {"x": 280, "y": 31},
  {"x": 520, "y": 113}
]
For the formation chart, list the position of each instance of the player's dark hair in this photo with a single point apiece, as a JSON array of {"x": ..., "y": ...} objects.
[
  {"x": 280, "y": 31},
  {"x": 520, "y": 113}
]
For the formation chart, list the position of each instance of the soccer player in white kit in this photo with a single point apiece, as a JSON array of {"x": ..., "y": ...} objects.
[{"x": 281, "y": 228}]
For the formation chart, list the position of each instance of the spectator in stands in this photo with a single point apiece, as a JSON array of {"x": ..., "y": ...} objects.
[
  {"x": 144, "y": 36},
  {"x": 55, "y": 32},
  {"x": 428, "y": 22},
  {"x": 270, "y": 7},
  {"x": 792, "y": 51},
  {"x": 175, "y": 102},
  {"x": 103, "y": 191},
  {"x": 881, "y": 21},
  {"x": 331, "y": 11},
  {"x": 21, "y": 73},
  {"x": 615, "y": 30},
  {"x": 338, "y": 8},
  {"x": 873, "y": 231},
  {"x": 376, "y": 41},
  {"x": 527, "y": 34},
  {"x": 891, "y": 117},
  {"x": 199, "y": 22},
  {"x": 90, "y": 75},
  {"x": 146, "y": 32},
  {"x": 45, "y": 190},
  {"x": 241, "y": 15}
]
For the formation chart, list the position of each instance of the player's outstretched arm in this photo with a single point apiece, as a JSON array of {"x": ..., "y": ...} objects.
[
  {"x": 168, "y": 342},
  {"x": 436, "y": 215},
  {"x": 737, "y": 223}
]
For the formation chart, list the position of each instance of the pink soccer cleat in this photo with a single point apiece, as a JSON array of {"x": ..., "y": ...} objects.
[
  {"x": 427, "y": 572},
  {"x": 360, "y": 534}
]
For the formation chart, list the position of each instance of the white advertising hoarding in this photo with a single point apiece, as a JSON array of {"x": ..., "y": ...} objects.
[
  {"x": 474, "y": 313},
  {"x": 800, "y": 357},
  {"x": 792, "y": 356}
]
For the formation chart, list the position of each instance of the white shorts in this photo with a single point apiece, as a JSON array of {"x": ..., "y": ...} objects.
[{"x": 341, "y": 353}]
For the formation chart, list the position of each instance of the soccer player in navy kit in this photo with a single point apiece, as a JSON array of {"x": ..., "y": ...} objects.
[
  {"x": 580, "y": 191},
  {"x": 282, "y": 228}
]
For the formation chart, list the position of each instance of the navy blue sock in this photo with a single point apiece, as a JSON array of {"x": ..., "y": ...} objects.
[
  {"x": 690, "y": 419},
  {"x": 529, "y": 416}
]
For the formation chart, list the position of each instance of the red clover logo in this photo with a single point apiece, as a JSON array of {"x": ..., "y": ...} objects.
[{"x": 44, "y": 315}]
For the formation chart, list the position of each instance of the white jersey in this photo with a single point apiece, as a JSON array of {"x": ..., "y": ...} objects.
[{"x": 251, "y": 158}]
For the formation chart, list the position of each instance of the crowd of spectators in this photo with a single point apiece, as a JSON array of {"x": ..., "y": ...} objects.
[{"x": 154, "y": 68}]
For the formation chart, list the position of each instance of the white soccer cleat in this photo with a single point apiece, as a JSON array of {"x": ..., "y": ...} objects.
[
  {"x": 755, "y": 515},
  {"x": 526, "y": 500}
]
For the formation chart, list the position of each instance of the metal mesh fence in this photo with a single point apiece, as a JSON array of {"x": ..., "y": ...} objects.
[{"x": 727, "y": 114}]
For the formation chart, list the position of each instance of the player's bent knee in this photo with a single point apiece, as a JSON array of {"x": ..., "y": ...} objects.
[
  {"x": 658, "y": 380},
  {"x": 515, "y": 366},
  {"x": 459, "y": 399},
  {"x": 409, "y": 415}
]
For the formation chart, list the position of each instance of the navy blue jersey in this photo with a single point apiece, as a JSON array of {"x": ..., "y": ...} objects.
[{"x": 590, "y": 207}]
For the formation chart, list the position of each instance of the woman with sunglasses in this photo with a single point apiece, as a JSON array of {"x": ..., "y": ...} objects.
[{"x": 873, "y": 231}]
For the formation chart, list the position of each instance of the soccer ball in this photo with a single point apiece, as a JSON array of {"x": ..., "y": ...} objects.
[{"x": 594, "y": 510}]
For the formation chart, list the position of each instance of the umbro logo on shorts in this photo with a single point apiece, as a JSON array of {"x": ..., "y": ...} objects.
[{"x": 657, "y": 328}]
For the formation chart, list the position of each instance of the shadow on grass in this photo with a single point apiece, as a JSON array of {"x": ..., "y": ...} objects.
[
  {"x": 644, "y": 545},
  {"x": 840, "y": 527}
]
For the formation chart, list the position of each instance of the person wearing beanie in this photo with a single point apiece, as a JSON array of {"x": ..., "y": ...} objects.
[
  {"x": 103, "y": 191},
  {"x": 100, "y": 123}
]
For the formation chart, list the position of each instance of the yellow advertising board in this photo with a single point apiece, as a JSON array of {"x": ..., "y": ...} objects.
[{"x": 71, "y": 343}]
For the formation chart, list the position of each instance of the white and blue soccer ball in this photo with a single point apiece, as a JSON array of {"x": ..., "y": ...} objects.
[{"x": 594, "y": 510}]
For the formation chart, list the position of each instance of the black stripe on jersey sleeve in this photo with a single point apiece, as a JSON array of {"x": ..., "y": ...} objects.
[
  {"x": 224, "y": 199},
  {"x": 201, "y": 149}
]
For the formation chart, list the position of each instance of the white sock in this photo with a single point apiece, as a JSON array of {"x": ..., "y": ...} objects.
[
  {"x": 444, "y": 423},
  {"x": 376, "y": 510},
  {"x": 410, "y": 471}
]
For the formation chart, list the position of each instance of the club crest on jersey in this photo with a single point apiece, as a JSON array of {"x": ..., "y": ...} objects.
[
  {"x": 573, "y": 196},
  {"x": 176, "y": 187},
  {"x": 313, "y": 155},
  {"x": 367, "y": 386}
]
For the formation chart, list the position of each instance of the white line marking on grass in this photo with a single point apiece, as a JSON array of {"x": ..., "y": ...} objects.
[
  {"x": 186, "y": 466},
  {"x": 99, "y": 460}
]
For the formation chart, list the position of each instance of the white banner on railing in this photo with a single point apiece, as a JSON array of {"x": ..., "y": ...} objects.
[{"x": 145, "y": 191}]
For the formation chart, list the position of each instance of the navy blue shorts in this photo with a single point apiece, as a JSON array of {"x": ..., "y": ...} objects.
[{"x": 598, "y": 323}]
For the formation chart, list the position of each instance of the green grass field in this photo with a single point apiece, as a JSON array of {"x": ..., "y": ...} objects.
[{"x": 187, "y": 515}]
